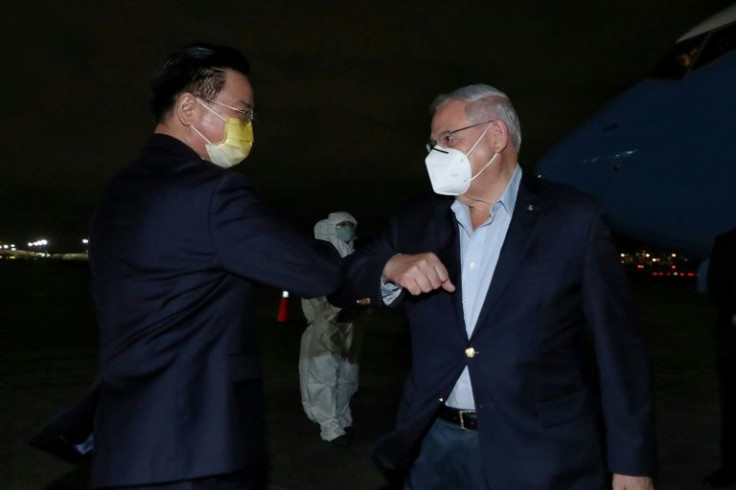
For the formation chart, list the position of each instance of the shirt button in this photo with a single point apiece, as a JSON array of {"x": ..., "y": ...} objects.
[
  {"x": 472, "y": 265},
  {"x": 470, "y": 353}
]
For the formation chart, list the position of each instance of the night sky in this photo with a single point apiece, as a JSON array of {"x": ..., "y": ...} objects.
[{"x": 342, "y": 90}]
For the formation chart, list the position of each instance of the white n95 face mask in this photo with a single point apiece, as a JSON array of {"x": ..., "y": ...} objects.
[{"x": 450, "y": 171}]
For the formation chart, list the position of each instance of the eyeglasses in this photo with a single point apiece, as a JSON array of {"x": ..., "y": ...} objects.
[
  {"x": 247, "y": 115},
  {"x": 447, "y": 139}
]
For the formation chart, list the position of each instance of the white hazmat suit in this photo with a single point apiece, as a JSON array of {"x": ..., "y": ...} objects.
[{"x": 328, "y": 368}]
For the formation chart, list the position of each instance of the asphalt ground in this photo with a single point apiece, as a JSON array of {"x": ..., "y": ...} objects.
[{"x": 47, "y": 360}]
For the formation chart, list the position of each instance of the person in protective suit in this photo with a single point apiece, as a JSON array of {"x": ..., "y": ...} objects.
[{"x": 328, "y": 358}]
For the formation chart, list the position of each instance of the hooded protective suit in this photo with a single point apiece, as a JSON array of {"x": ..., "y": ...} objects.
[{"x": 328, "y": 368}]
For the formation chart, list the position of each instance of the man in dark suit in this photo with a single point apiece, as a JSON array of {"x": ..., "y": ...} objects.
[
  {"x": 178, "y": 245},
  {"x": 722, "y": 289},
  {"x": 507, "y": 284}
]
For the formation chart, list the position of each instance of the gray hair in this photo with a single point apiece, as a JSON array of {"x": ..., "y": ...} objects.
[{"x": 484, "y": 101}]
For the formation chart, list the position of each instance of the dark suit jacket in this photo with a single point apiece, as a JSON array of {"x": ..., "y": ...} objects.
[
  {"x": 176, "y": 248},
  {"x": 722, "y": 279},
  {"x": 543, "y": 423}
]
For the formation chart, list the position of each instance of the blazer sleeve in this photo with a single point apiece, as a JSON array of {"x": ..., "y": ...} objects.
[
  {"x": 361, "y": 271},
  {"x": 625, "y": 379},
  {"x": 252, "y": 241}
]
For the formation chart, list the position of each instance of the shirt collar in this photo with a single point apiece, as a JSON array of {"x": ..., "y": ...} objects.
[{"x": 507, "y": 200}]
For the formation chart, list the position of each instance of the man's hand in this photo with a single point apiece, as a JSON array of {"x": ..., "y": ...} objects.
[
  {"x": 419, "y": 273},
  {"x": 624, "y": 482}
]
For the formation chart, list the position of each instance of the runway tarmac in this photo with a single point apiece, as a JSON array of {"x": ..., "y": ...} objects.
[{"x": 47, "y": 359}]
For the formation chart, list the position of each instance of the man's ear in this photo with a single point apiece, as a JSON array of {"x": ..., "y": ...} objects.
[
  {"x": 186, "y": 109},
  {"x": 500, "y": 131}
]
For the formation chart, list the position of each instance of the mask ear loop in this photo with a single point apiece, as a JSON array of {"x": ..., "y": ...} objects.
[
  {"x": 473, "y": 148},
  {"x": 481, "y": 170},
  {"x": 210, "y": 109},
  {"x": 201, "y": 135},
  {"x": 213, "y": 112},
  {"x": 479, "y": 138}
]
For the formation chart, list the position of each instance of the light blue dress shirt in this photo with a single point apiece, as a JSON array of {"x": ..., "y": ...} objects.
[{"x": 479, "y": 252}]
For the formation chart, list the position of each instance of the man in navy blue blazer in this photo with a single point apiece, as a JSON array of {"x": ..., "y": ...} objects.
[
  {"x": 178, "y": 244},
  {"x": 528, "y": 370}
]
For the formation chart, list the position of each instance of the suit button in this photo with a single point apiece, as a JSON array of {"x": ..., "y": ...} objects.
[{"x": 470, "y": 353}]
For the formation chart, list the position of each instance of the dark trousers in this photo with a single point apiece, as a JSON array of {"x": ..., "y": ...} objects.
[{"x": 449, "y": 458}]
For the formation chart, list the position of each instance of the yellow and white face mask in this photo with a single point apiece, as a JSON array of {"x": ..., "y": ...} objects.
[{"x": 236, "y": 144}]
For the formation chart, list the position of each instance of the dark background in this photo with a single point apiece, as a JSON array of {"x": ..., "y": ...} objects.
[
  {"x": 342, "y": 94},
  {"x": 342, "y": 90}
]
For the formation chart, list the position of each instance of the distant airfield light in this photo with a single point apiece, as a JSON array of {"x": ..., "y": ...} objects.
[
  {"x": 85, "y": 241},
  {"x": 39, "y": 243}
]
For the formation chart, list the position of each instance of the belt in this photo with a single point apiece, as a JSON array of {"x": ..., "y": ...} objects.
[{"x": 467, "y": 419}]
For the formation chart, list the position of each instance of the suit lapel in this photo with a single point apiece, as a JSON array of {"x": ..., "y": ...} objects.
[
  {"x": 448, "y": 251},
  {"x": 521, "y": 229}
]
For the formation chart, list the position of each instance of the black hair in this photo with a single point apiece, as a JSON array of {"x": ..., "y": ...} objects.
[{"x": 198, "y": 69}]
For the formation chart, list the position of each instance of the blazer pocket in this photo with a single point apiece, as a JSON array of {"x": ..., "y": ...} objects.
[
  {"x": 565, "y": 408},
  {"x": 243, "y": 368}
]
